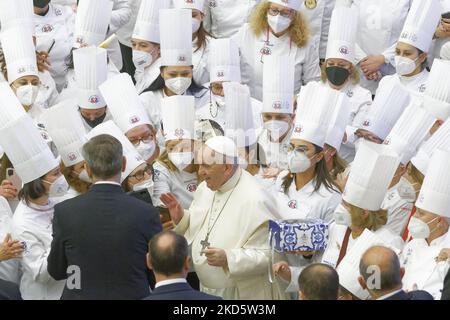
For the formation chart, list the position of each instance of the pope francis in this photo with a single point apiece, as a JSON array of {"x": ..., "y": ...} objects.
[{"x": 227, "y": 226}]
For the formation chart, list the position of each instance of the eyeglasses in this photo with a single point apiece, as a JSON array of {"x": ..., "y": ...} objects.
[
  {"x": 140, "y": 175},
  {"x": 146, "y": 139},
  {"x": 301, "y": 149},
  {"x": 284, "y": 13}
]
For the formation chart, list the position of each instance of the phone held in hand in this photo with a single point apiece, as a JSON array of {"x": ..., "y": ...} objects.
[
  {"x": 14, "y": 178},
  {"x": 165, "y": 214}
]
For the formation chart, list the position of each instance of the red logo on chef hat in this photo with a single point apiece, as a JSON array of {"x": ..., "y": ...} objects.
[
  {"x": 134, "y": 119},
  {"x": 179, "y": 133},
  {"x": 72, "y": 156},
  {"x": 387, "y": 141},
  {"x": 366, "y": 123},
  {"x": 277, "y": 105},
  {"x": 298, "y": 129},
  {"x": 220, "y": 74},
  {"x": 292, "y": 204},
  {"x": 189, "y": 1},
  {"x": 344, "y": 50},
  {"x": 181, "y": 58},
  {"x": 191, "y": 187},
  {"x": 47, "y": 28},
  {"x": 94, "y": 99},
  {"x": 212, "y": 4},
  {"x": 79, "y": 40}
]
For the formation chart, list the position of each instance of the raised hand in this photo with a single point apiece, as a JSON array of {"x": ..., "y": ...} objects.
[{"x": 175, "y": 209}]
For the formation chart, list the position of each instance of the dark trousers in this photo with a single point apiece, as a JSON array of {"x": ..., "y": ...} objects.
[{"x": 127, "y": 59}]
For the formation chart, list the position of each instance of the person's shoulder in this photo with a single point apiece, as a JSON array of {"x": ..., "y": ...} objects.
[{"x": 419, "y": 295}]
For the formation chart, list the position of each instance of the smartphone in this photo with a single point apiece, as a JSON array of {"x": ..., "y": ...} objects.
[
  {"x": 446, "y": 15},
  {"x": 14, "y": 178},
  {"x": 165, "y": 214}
]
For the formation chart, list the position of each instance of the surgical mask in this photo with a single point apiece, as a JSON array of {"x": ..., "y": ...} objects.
[
  {"x": 83, "y": 176},
  {"x": 40, "y": 3},
  {"x": 195, "y": 25},
  {"x": 337, "y": 75},
  {"x": 405, "y": 66},
  {"x": 219, "y": 100},
  {"x": 419, "y": 229},
  {"x": 146, "y": 184},
  {"x": 27, "y": 94},
  {"x": 276, "y": 128},
  {"x": 178, "y": 85},
  {"x": 299, "y": 162},
  {"x": 142, "y": 59},
  {"x": 146, "y": 149},
  {"x": 342, "y": 217},
  {"x": 58, "y": 188},
  {"x": 95, "y": 122},
  {"x": 278, "y": 23},
  {"x": 181, "y": 160}
]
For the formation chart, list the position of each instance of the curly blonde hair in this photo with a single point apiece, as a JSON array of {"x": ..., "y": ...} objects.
[
  {"x": 298, "y": 31},
  {"x": 373, "y": 221}
]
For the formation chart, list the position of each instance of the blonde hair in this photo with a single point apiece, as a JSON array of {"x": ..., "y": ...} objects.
[
  {"x": 79, "y": 185},
  {"x": 354, "y": 76},
  {"x": 298, "y": 31},
  {"x": 373, "y": 221}
]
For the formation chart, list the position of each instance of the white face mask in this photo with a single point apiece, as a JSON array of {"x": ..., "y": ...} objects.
[
  {"x": 219, "y": 100},
  {"x": 83, "y": 176},
  {"x": 142, "y": 59},
  {"x": 341, "y": 216},
  {"x": 405, "y": 66},
  {"x": 178, "y": 85},
  {"x": 278, "y": 23},
  {"x": 146, "y": 184},
  {"x": 276, "y": 128},
  {"x": 419, "y": 229},
  {"x": 181, "y": 160},
  {"x": 27, "y": 94},
  {"x": 195, "y": 25},
  {"x": 58, "y": 188},
  {"x": 146, "y": 150},
  {"x": 299, "y": 162}
]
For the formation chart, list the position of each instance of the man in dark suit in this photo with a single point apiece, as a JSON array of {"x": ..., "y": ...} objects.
[
  {"x": 446, "y": 290},
  {"x": 388, "y": 285},
  {"x": 168, "y": 258},
  {"x": 9, "y": 291},
  {"x": 100, "y": 238},
  {"x": 318, "y": 282}
]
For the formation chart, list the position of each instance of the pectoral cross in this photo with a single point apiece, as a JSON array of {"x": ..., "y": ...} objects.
[{"x": 205, "y": 244}]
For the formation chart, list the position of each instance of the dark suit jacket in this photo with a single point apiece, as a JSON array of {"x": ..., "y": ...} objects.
[
  {"x": 105, "y": 233},
  {"x": 179, "y": 291},
  {"x": 412, "y": 295},
  {"x": 446, "y": 289},
  {"x": 9, "y": 291}
]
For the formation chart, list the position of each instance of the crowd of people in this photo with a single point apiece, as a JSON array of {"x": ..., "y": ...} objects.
[{"x": 225, "y": 149}]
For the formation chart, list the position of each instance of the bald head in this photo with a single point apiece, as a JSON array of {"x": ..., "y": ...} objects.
[
  {"x": 319, "y": 282},
  {"x": 168, "y": 252}
]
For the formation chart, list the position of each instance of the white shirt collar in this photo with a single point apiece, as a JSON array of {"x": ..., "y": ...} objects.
[
  {"x": 108, "y": 182},
  {"x": 232, "y": 182},
  {"x": 168, "y": 282},
  {"x": 389, "y": 295}
]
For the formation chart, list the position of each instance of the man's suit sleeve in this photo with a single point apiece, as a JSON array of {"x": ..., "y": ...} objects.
[
  {"x": 446, "y": 289},
  {"x": 57, "y": 261},
  {"x": 155, "y": 222}
]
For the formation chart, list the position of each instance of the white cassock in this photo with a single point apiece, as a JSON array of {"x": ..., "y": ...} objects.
[
  {"x": 254, "y": 48},
  {"x": 9, "y": 270},
  {"x": 33, "y": 225},
  {"x": 421, "y": 268},
  {"x": 182, "y": 184},
  {"x": 416, "y": 85},
  {"x": 145, "y": 78},
  {"x": 275, "y": 153},
  {"x": 200, "y": 62},
  {"x": 241, "y": 230}
]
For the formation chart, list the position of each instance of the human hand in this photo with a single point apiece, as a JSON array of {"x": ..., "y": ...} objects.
[
  {"x": 7, "y": 190},
  {"x": 175, "y": 209},
  {"x": 282, "y": 270},
  {"x": 372, "y": 64},
  {"x": 216, "y": 257},
  {"x": 10, "y": 249}
]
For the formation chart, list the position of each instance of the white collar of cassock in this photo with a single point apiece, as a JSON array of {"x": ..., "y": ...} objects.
[{"x": 232, "y": 182}]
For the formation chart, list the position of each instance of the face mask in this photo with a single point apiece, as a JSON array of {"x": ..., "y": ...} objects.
[
  {"x": 27, "y": 94},
  {"x": 178, "y": 85},
  {"x": 142, "y": 59},
  {"x": 195, "y": 25},
  {"x": 146, "y": 150},
  {"x": 181, "y": 160},
  {"x": 419, "y": 229},
  {"x": 83, "y": 176},
  {"x": 146, "y": 184},
  {"x": 342, "y": 217},
  {"x": 405, "y": 66},
  {"x": 337, "y": 75},
  {"x": 220, "y": 101},
  {"x": 278, "y": 23},
  {"x": 276, "y": 128},
  {"x": 299, "y": 162},
  {"x": 95, "y": 122},
  {"x": 58, "y": 188},
  {"x": 40, "y": 3}
]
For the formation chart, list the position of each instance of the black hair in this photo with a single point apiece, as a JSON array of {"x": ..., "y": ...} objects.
[
  {"x": 32, "y": 190},
  {"x": 319, "y": 282}
]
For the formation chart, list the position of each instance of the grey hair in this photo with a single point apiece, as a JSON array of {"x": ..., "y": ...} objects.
[{"x": 104, "y": 156}]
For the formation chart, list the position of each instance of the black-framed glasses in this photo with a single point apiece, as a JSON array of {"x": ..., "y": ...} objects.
[{"x": 283, "y": 13}]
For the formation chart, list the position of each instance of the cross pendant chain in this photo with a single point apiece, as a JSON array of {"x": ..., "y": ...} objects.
[{"x": 205, "y": 244}]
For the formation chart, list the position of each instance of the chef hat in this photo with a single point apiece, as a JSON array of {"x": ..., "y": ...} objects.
[
  {"x": 339, "y": 120},
  {"x": 437, "y": 94},
  {"x": 92, "y": 21},
  {"x": 439, "y": 140},
  {"x": 175, "y": 27},
  {"x": 124, "y": 103},
  {"x": 445, "y": 51},
  {"x": 224, "y": 61},
  {"x": 409, "y": 132},
  {"x": 17, "y": 12},
  {"x": 63, "y": 123},
  {"x": 342, "y": 35},
  {"x": 91, "y": 70},
  {"x": 386, "y": 109},
  {"x": 26, "y": 149},
  {"x": 313, "y": 113},
  {"x": 20, "y": 52},
  {"x": 434, "y": 195},
  {"x": 10, "y": 107},
  {"x": 178, "y": 114},
  {"x": 278, "y": 84},
  {"x": 292, "y": 4},
  {"x": 147, "y": 22},
  {"x": 239, "y": 116},
  {"x": 370, "y": 176},
  {"x": 421, "y": 23},
  {"x": 189, "y": 4},
  {"x": 134, "y": 159},
  {"x": 223, "y": 145}
]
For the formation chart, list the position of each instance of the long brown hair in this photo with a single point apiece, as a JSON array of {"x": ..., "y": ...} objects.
[
  {"x": 373, "y": 221},
  {"x": 202, "y": 39},
  {"x": 298, "y": 31},
  {"x": 79, "y": 185},
  {"x": 339, "y": 166}
]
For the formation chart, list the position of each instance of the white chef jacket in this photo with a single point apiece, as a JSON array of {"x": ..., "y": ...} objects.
[
  {"x": 306, "y": 59},
  {"x": 33, "y": 225},
  {"x": 126, "y": 31},
  {"x": 416, "y": 85},
  {"x": 399, "y": 202},
  {"x": 223, "y": 18},
  {"x": 421, "y": 268},
  {"x": 120, "y": 16},
  {"x": 200, "y": 59},
  {"x": 275, "y": 153},
  {"x": 48, "y": 94},
  {"x": 182, "y": 184},
  {"x": 144, "y": 78},
  {"x": 9, "y": 270}
]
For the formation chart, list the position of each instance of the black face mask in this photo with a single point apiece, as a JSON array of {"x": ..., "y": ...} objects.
[
  {"x": 337, "y": 75},
  {"x": 40, "y": 3},
  {"x": 95, "y": 122}
]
